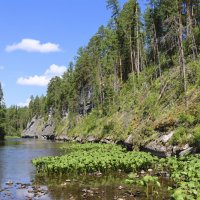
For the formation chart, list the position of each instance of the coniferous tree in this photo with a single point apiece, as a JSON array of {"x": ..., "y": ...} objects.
[{"x": 2, "y": 114}]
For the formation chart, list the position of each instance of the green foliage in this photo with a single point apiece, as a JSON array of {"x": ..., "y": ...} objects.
[
  {"x": 89, "y": 158},
  {"x": 180, "y": 136},
  {"x": 17, "y": 119},
  {"x": 194, "y": 73},
  {"x": 149, "y": 182},
  {"x": 2, "y": 114},
  {"x": 186, "y": 119},
  {"x": 195, "y": 140},
  {"x": 184, "y": 171}
]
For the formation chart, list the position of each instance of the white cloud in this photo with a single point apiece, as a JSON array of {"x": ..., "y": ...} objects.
[
  {"x": 42, "y": 80},
  {"x": 55, "y": 70},
  {"x": 31, "y": 45},
  {"x": 23, "y": 104},
  {"x": 2, "y": 67},
  {"x": 34, "y": 80}
]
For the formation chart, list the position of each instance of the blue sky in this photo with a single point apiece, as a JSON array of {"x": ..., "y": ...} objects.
[{"x": 38, "y": 38}]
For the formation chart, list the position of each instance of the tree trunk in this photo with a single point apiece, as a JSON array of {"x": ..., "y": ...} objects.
[
  {"x": 138, "y": 43},
  {"x": 190, "y": 33},
  {"x": 181, "y": 50},
  {"x": 131, "y": 54},
  {"x": 157, "y": 49}
]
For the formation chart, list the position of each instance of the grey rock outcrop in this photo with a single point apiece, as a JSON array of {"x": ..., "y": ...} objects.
[
  {"x": 128, "y": 143},
  {"x": 33, "y": 128},
  {"x": 63, "y": 138},
  {"x": 93, "y": 139},
  {"x": 187, "y": 151},
  {"x": 160, "y": 146},
  {"x": 38, "y": 128},
  {"x": 48, "y": 130}
]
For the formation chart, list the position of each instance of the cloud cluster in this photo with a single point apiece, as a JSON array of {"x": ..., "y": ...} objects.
[
  {"x": 55, "y": 70},
  {"x": 34, "y": 80},
  {"x": 43, "y": 80},
  {"x": 31, "y": 45}
]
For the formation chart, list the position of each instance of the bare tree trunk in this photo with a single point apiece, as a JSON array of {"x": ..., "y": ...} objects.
[
  {"x": 115, "y": 78},
  {"x": 157, "y": 49},
  {"x": 138, "y": 43},
  {"x": 190, "y": 33},
  {"x": 99, "y": 81},
  {"x": 181, "y": 50},
  {"x": 131, "y": 54},
  {"x": 120, "y": 68}
]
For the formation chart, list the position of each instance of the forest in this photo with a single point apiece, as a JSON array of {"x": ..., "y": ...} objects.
[{"x": 138, "y": 75}]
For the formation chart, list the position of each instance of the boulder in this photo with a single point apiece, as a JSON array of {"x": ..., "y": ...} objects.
[
  {"x": 156, "y": 149},
  {"x": 128, "y": 143},
  {"x": 63, "y": 138},
  {"x": 187, "y": 151},
  {"x": 160, "y": 146},
  {"x": 93, "y": 139},
  {"x": 107, "y": 140},
  {"x": 79, "y": 139},
  {"x": 165, "y": 138}
]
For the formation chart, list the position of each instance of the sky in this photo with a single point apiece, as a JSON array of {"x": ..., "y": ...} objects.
[{"x": 38, "y": 39}]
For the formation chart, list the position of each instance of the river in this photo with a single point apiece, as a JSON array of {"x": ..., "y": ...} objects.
[{"x": 18, "y": 179}]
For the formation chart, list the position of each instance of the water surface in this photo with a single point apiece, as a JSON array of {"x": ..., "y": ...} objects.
[
  {"x": 16, "y": 166},
  {"x": 19, "y": 181}
]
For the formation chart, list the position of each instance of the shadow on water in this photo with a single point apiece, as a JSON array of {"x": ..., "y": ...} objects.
[{"x": 18, "y": 178}]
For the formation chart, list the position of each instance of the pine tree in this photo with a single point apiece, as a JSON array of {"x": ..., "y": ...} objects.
[{"x": 2, "y": 114}]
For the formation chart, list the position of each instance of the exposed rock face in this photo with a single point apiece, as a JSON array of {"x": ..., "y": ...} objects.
[
  {"x": 85, "y": 101},
  {"x": 38, "y": 128},
  {"x": 48, "y": 130},
  {"x": 162, "y": 148},
  {"x": 93, "y": 139},
  {"x": 128, "y": 143},
  {"x": 187, "y": 151},
  {"x": 63, "y": 138},
  {"x": 107, "y": 140},
  {"x": 33, "y": 128}
]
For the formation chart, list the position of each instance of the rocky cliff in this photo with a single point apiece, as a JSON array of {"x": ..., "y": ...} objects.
[{"x": 39, "y": 128}]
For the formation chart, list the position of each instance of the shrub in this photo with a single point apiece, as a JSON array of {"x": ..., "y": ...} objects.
[
  {"x": 186, "y": 119},
  {"x": 195, "y": 140},
  {"x": 180, "y": 136}
]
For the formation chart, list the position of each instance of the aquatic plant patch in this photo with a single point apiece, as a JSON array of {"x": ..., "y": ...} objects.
[{"x": 89, "y": 158}]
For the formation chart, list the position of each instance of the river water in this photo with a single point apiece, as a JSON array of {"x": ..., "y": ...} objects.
[
  {"x": 16, "y": 167},
  {"x": 19, "y": 181}
]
